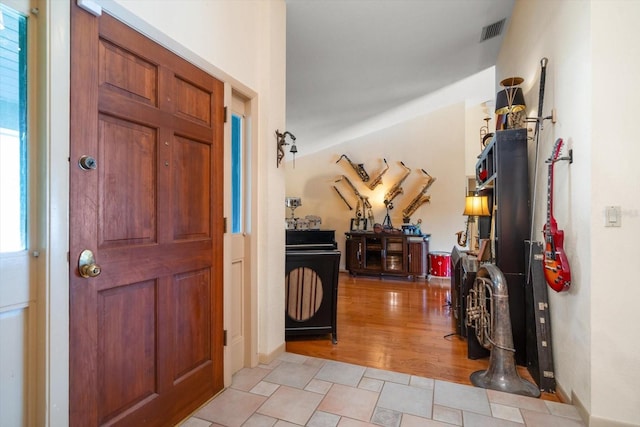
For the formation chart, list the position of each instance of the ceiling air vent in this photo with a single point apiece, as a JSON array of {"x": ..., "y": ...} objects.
[{"x": 492, "y": 30}]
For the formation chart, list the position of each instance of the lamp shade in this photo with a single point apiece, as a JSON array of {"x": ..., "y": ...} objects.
[
  {"x": 510, "y": 100},
  {"x": 476, "y": 206}
]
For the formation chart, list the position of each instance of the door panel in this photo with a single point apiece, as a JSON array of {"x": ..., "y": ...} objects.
[
  {"x": 146, "y": 333},
  {"x": 127, "y": 161},
  {"x": 127, "y": 74},
  {"x": 192, "y": 327},
  {"x": 191, "y": 189},
  {"x": 128, "y": 366},
  {"x": 237, "y": 327},
  {"x": 240, "y": 295}
]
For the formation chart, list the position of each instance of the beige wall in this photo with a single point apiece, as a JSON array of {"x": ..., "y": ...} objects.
[
  {"x": 614, "y": 181},
  {"x": 594, "y": 324}
]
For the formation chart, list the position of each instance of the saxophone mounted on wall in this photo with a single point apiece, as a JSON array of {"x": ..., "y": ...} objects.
[
  {"x": 396, "y": 189},
  {"x": 362, "y": 203},
  {"x": 419, "y": 200},
  {"x": 493, "y": 330},
  {"x": 378, "y": 180},
  {"x": 359, "y": 168}
]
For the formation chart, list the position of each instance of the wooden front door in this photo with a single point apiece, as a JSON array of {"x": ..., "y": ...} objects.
[{"x": 146, "y": 333}]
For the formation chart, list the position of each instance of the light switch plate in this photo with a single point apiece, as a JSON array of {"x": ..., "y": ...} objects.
[{"x": 612, "y": 216}]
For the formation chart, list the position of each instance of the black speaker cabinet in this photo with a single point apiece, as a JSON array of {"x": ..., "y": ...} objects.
[{"x": 311, "y": 283}]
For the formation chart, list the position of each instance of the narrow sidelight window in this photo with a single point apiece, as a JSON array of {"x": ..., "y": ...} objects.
[
  {"x": 236, "y": 174},
  {"x": 13, "y": 131}
]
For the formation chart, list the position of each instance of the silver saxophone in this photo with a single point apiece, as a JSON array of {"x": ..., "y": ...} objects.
[
  {"x": 396, "y": 190},
  {"x": 359, "y": 168},
  {"x": 419, "y": 200},
  {"x": 378, "y": 180},
  {"x": 492, "y": 325}
]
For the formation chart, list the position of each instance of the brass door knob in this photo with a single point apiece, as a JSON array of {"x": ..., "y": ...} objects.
[{"x": 87, "y": 266}]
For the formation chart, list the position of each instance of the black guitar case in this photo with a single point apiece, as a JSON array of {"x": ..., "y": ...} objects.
[{"x": 538, "y": 321}]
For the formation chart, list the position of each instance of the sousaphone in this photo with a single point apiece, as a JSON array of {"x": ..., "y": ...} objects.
[{"x": 488, "y": 314}]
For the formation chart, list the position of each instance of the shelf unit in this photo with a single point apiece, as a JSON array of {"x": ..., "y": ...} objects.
[
  {"x": 502, "y": 175},
  {"x": 386, "y": 254}
]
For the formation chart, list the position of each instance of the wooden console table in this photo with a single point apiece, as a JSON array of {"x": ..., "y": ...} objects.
[{"x": 387, "y": 254}]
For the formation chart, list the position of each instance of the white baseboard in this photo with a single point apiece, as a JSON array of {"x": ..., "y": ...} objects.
[
  {"x": 591, "y": 420},
  {"x": 265, "y": 359}
]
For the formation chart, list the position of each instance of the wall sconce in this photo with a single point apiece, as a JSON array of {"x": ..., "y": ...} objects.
[
  {"x": 510, "y": 104},
  {"x": 281, "y": 143},
  {"x": 475, "y": 206}
]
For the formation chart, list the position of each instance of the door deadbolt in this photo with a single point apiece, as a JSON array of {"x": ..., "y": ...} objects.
[
  {"x": 87, "y": 266},
  {"x": 87, "y": 163}
]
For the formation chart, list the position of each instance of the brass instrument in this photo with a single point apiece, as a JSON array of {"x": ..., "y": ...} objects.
[
  {"x": 396, "y": 189},
  {"x": 353, "y": 187},
  {"x": 363, "y": 207},
  {"x": 462, "y": 236},
  {"x": 366, "y": 205},
  {"x": 419, "y": 200},
  {"x": 343, "y": 198},
  {"x": 359, "y": 168},
  {"x": 378, "y": 180},
  {"x": 493, "y": 330}
]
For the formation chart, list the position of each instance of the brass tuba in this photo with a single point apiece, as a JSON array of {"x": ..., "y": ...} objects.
[{"x": 493, "y": 330}]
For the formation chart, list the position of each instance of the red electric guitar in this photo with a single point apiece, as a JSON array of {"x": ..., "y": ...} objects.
[{"x": 556, "y": 265}]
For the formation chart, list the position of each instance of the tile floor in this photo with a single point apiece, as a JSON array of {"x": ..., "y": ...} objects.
[{"x": 296, "y": 390}]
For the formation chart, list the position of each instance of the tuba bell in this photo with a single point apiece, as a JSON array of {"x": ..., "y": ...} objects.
[{"x": 493, "y": 330}]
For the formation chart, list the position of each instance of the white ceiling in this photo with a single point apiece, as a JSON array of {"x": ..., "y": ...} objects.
[{"x": 349, "y": 60}]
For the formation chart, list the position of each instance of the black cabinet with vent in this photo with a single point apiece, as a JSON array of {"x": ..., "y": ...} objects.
[{"x": 311, "y": 283}]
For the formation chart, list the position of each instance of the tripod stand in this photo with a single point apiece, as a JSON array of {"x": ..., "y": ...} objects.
[{"x": 386, "y": 224}]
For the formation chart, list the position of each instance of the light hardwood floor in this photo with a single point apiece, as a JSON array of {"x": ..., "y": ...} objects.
[{"x": 398, "y": 325}]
